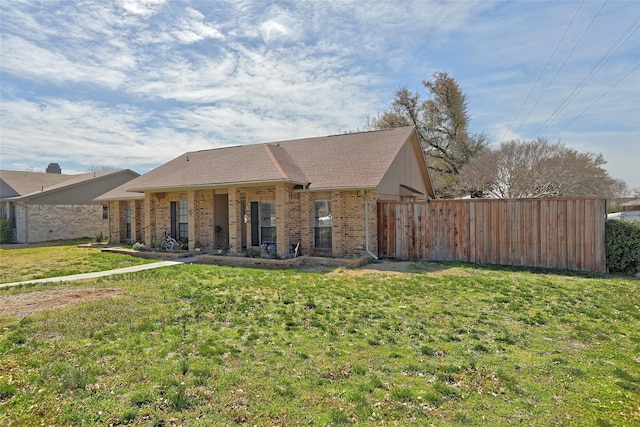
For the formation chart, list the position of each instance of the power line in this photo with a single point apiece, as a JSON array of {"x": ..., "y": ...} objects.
[
  {"x": 562, "y": 66},
  {"x": 599, "y": 98},
  {"x": 543, "y": 70},
  {"x": 626, "y": 35}
]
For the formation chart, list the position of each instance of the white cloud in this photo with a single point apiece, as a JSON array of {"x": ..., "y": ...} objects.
[
  {"x": 153, "y": 78},
  {"x": 282, "y": 26},
  {"x": 192, "y": 28},
  {"x": 144, "y": 8},
  {"x": 26, "y": 59},
  {"x": 272, "y": 30},
  {"x": 85, "y": 133}
]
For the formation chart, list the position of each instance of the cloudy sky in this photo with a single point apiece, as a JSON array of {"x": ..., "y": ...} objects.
[{"x": 134, "y": 83}]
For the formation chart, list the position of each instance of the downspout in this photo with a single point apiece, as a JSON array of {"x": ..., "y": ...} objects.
[{"x": 366, "y": 226}]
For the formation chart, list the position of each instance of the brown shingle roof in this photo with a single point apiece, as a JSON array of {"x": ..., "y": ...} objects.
[
  {"x": 120, "y": 193},
  {"x": 23, "y": 185},
  {"x": 356, "y": 160},
  {"x": 16, "y": 183}
]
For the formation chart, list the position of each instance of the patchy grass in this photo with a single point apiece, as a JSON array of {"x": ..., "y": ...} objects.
[
  {"x": 452, "y": 345},
  {"x": 42, "y": 261}
]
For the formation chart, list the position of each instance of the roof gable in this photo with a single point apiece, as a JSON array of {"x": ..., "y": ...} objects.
[{"x": 357, "y": 160}]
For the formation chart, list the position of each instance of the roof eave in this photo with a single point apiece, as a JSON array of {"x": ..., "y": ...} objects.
[
  {"x": 137, "y": 196},
  {"x": 213, "y": 186},
  {"x": 49, "y": 190},
  {"x": 348, "y": 188}
]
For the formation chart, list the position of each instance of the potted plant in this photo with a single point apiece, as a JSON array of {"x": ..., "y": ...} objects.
[{"x": 184, "y": 243}]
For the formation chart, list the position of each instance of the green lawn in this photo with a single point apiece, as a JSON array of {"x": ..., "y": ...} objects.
[
  {"x": 446, "y": 344},
  {"x": 42, "y": 261}
]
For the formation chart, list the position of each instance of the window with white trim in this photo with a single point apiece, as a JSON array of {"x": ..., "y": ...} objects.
[
  {"x": 267, "y": 222},
  {"x": 322, "y": 223}
]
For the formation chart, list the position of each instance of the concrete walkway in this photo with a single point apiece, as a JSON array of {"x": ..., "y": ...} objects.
[{"x": 97, "y": 274}]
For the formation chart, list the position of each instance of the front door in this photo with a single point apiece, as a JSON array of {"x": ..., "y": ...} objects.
[{"x": 221, "y": 219}]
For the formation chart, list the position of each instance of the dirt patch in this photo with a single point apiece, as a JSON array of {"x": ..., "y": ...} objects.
[
  {"x": 28, "y": 304},
  {"x": 404, "y": 267}
]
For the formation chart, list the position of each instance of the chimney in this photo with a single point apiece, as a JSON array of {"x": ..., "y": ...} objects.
[{"x": 54, "y": 168}]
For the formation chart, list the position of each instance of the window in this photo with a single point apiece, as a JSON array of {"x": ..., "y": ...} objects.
[
  {"x": 180, "y": 220},
  {"x": 323, "y": 223},
  {"x": 127, "y": 220},
  {"x": 105, "y": 212},
  {"x": 8, "y": 211},
  {"x": 183, "y": 220},
  {"x": 267, "y": 222},
  {"x": 263, "y": 223}
]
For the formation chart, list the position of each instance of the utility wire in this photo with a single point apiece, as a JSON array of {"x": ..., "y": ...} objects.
[
  {"x": 561, "y": 66},
  {"x": 626, "y": 35},
  {"x": 542, "y": 72},
  {"x": 599, "y": 98}
]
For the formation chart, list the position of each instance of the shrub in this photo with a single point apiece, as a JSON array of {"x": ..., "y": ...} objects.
[
  {"x": 6, "y": 231},
  {"x": 139, "y": 246},
  {"x": 224, "y": 248},
  {"x": 252, "y": 253},
  {"x": 623, "y": 246}
]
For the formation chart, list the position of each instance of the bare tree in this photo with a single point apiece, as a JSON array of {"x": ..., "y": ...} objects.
[
  {"x": 442, "y": 125},
  {"x": 537, "y": 168},
  {"x": 619, "y": 189},
  {"x": 101, "y": 168}
]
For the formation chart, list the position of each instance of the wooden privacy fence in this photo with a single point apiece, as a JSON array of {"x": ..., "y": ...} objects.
[{"x": 564, "y": 233}]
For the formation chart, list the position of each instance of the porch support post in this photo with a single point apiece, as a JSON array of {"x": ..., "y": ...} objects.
[
  {"x": 235, "y": 222},
  {"x": 134, "y": 221},
  {"x": 191, "y": 219},
  {"x": 114, "y": 217},
  {"x": 149, "y": 220},
  {"x": 282, "y": 216}
]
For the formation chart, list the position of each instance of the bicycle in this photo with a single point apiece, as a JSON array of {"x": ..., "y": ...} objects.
[{"x": 168, "y": 243}]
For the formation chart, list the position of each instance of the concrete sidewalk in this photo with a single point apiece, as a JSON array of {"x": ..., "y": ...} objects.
[{"x": 97, "y": 274}]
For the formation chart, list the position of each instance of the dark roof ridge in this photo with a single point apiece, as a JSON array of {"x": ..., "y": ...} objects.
[{"x": 275, "y": 161}]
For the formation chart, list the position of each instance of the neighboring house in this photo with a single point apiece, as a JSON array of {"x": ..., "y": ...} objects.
[
  {"x": 630, "y": 210},
  {"x": 631, "y": 206},
  {"x": 630, "y": 215},
  {"x": 320, "y": 193},
  {"x": 51, "y": 206}
]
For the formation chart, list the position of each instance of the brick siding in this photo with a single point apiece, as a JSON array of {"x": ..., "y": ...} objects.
[
  {"x": 294, "y": 210},
  {"x": 41, "y": 223}
]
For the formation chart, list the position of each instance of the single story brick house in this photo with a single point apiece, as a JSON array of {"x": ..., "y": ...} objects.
[
  {"x": 43, "y": 206},
  {"x": 320, "y": 193}
]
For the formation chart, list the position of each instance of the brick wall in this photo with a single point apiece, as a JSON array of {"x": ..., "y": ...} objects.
[
  {"x": 114, "y": 222},
  {"x": 306, "y": 221},
  {"x": 236, "y": 220},
  {"x": 203, "y": 216},
  {"x": 349, "y": 230},
  {"x": 40, "y": 223},
  {"x": 294, "y": 220},
  {"x": 294, "y": 209},
  {"x": 139, "y": 215}
]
